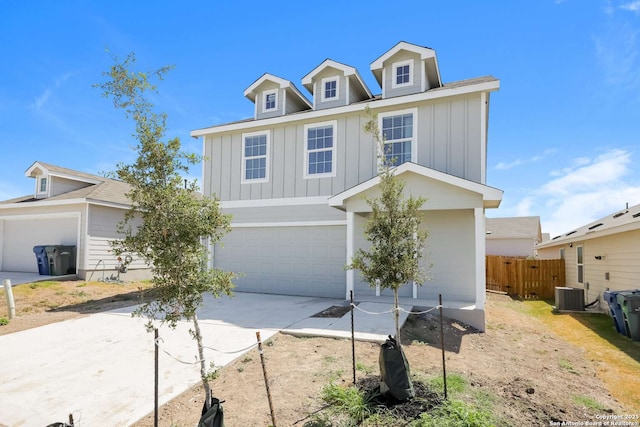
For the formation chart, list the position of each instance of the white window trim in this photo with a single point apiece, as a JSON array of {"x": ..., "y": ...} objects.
[
  {"x": 306, "y": 175},
  {"x": 414, "y": 138},
  {"x": 323, "y": 89},
  {"x": 39, "y": 182},
  {"x": 243, "y": 179},
  {"x": 394, "y": 66},
  {"x": 579, "y": 264},
  {"x": 264, "y": 100}
]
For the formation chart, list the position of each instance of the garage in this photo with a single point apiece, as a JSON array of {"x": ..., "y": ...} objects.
[
  {"x": 295, "y": 260},
  {"x": 19, "y": 236}
]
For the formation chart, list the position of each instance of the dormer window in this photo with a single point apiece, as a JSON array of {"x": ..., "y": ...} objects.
[
  {"x": 270, "y": 101},
  {"x": 329, "y": 88},
  {"x": 42, "y": 188},
  {"x": 402, "y": 74}
]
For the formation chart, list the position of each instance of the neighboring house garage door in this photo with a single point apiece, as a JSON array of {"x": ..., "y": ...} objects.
[
  {"x": 305, "y": 261},
  {"x": 20, "y": 236}
]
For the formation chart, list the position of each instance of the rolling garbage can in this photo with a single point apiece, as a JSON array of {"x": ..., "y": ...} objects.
[
  {"x": 41, "y": 258},
  {"x": 630, "y": 304},
  {"x": 62, "y": 259},
  {"x": 615, "y": 310}
]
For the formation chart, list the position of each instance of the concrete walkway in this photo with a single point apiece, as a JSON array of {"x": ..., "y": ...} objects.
[{"x": 100, "y": 368}]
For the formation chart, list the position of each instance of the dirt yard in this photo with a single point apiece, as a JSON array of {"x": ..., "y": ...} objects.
[{"x": 529, "y": 374}]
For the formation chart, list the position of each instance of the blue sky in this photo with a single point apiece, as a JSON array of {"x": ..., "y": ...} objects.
[{"x": 564, "y": 131}]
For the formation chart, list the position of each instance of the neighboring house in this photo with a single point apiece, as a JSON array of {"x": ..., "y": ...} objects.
[
  {"x": 71, "y": 208},
  {"x": 515, "y": 236},
  {"x": 601, "y": 255},
  {"x": 295, "y": 177}
]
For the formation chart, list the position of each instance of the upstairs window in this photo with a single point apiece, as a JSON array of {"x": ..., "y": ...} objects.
[
  {"x": 43, "y": 185},
  {"x": 255, "y": 156},
  {"x": 398, "y": 132},
  {"x": 320, "y": 150},
  {"x": 402, "y": 73},
  {"x": 329, "y": 89},
  {"x": 270, "y": 101}
]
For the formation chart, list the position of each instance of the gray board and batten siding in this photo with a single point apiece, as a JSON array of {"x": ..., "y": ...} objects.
[{"x": 448, "y": 140}]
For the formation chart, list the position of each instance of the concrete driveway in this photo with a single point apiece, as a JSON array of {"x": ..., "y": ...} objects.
[
  {"x": 100, "y": 368},
  {"x": 19, "y": 277}
]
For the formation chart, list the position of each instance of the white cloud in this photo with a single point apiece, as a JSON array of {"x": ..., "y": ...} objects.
[
  {"x": 41, "y": 101},
  {"x": 586, "y": 190},
  {"x": 518, "y": 162},
  {"x": 633, "y": 6}
]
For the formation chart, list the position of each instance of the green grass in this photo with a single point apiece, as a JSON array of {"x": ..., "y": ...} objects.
[
  {"x": 348, "y": 400},
  {"x": 565, "y": 364},
  {"x": 361, "y": 367},
  {"x": 456, "y": 384},
  {"x": 455, "y": 413},
  {"x": 4, "y": 321},
  {"x": 588, "y": 402}
]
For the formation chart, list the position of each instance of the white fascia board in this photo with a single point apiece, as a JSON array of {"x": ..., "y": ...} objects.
[
  {"x": 380, "y": 103},
  {"x": 48, "y": 203},
  {"x": 43, "y": 203},
  {"x": 250, "y": 91},
  {"x": 108, "y": 204},
  {"x": 623, "y": 228},
  {"x": 424, "y": 53},
  {"x": 346, "y": 69},
  {"x": 77, "y": 178},
  {"x": 489, "y": 194}
]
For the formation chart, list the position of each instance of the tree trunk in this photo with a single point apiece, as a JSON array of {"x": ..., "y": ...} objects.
[
  {"x": 397, "y": 315},
  {"x": 203, "y": 364}
]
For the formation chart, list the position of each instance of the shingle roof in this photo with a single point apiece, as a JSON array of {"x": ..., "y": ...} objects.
[
  {"x": 622, "y": 220},
  {"x": 513, "y": 228},
  {"x": 107, "y": 190}
]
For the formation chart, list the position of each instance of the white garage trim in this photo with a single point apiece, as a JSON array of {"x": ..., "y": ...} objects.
[
  {"x": 288, "y": 224},
  {"x": 34, "y": 217}
]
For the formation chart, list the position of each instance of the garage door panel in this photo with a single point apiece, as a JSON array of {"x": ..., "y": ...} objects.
[
  {"x": 20, "y": 236},
  {"x": 290, "y": 260}
]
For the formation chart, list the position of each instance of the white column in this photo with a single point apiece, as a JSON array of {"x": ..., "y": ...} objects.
[
  {"x": 350, "y": 252},
  {"x": 480, "y": 258}
]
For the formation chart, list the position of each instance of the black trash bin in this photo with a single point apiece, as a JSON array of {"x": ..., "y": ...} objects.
[
  {"x": 62, "y": 259},
  {"x": 41, "y": 258}
]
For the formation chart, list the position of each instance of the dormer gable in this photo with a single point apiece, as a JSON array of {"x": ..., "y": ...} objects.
[
  {"x": 406, "y": 69},
  {"x": 53, "y": 180},
  {"x": 274, "y": 96},
  {"x": 334, "y": 84}
]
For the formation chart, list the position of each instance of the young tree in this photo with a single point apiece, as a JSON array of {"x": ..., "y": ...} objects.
[
  {"x": 168, "y": 219},
  {"x": 393, "y": 229}
]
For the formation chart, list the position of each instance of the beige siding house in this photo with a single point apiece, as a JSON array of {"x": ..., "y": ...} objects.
[
  {"x": 296, "y": 174},
  {"x": 513, "y": 236},
  {"x": 68, "y": 208},
  {"x": 602, "y": 255}
]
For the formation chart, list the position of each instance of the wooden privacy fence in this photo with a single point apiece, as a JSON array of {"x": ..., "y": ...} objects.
[{"x": 527, "y": 278}]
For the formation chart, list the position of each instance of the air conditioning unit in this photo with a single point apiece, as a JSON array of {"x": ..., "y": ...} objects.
[{"x": 571, "y": 299}]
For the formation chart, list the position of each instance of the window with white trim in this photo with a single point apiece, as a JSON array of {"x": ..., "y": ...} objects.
[
  {"x": 43, "y": 185},
  {"x": 320, "y": 150},
  {"x": 330, "y": 89},
  {"x": 255, "y": 157},
  {"x": 270, "y": 101},
  {"x": 580, "y": 265},
  {"x": 398, "y": 133},
  {"x": 402, "y": 73}
]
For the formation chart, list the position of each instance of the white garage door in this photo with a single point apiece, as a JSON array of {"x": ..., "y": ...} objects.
[
  {"x": 305, "y": 261},
  {"x": 20, "y": 236}
]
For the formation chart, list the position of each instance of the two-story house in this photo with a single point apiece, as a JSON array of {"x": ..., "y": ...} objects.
[{"x": 295, "y": 178}]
